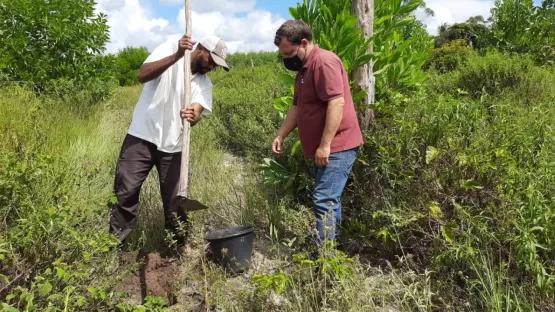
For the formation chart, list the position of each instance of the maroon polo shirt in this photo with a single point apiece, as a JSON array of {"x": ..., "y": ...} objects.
[{"x": 323, "y": 78}]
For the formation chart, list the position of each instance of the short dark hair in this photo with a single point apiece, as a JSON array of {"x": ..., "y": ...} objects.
[{"x": 294, "y": 31}]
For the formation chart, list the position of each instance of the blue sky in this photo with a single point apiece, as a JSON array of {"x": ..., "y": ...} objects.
[
  {"x": 280, "y": 7},
  {"x": 245, "y": 25}
]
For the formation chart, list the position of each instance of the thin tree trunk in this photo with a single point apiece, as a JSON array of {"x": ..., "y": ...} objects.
[
  {"x": 363, "y": 75},
  {"x": 364, "y": 78}
]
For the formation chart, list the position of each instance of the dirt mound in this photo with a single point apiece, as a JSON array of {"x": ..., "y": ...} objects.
[{"x": 151, "y": 275}]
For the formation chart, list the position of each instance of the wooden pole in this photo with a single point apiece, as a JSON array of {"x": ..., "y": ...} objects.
[
  {"x": 364, "y": 10},
  {"x": 184, "y": 177}
]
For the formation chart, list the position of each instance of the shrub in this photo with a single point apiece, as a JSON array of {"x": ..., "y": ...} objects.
[
  {"x": 47, "y": 41},
  {"x": 243, "y": 108},
  {"x": 449, "y": 57},
  {"x": 47, "y": 249},
  {"x": 496, "y": 74},
  {"x": 477, "y": 35},
  {"x": 127, "y": 64},
  {"x": 54, "y": 252}
]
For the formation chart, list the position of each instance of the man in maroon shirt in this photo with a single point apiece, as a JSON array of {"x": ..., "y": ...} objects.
[{"x": 324, "y": 113}]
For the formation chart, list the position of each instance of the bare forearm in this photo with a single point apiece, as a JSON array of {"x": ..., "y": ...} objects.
[
  {"x": 150, "y": 71},
  {"x": 289, "y": 124},
  {"x": 334, "y": 116}
]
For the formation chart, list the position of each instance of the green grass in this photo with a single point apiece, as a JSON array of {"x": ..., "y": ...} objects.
[
  {"x": 59, "y": 233},
  {"x": 456, "y": 201}
]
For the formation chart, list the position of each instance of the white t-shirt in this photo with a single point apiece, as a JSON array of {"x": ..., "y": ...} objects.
[{"x": 156, "y": 117}]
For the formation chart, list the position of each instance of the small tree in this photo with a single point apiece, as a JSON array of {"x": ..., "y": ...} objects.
[
  {"x": 45, "y": 41},
  {"x": 127, "y": 64},
  {"x": 521, "y": 27},
  {"x": 479, "y": 36}
]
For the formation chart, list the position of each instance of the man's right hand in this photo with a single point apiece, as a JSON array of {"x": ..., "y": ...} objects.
[
  {"x": 185, "y": 43},
  {"x": 276, "y": 145}
]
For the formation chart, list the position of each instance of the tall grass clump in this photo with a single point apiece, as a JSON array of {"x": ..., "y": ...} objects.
[{"x": 56, "y": 168}]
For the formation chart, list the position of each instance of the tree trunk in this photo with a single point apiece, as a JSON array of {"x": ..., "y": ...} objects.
[
  {"x": 363, "y": 75},
  {"x": 364, "y": 78}
]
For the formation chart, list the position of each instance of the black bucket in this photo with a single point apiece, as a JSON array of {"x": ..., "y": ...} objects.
[{"x": 232, "y": 247}]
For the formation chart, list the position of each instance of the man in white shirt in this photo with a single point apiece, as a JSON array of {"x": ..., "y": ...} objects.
[{"x": 154, "y": 136}]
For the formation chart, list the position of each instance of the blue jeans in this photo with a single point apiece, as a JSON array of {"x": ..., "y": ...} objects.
[{"x": 329, "y": 182}]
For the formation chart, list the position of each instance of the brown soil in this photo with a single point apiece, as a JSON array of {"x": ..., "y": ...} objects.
[{"x": 154, "y": 276}]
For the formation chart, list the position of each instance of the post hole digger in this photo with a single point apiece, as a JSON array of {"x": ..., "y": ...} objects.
[
  {"x": 238, "y": 240},
  {"x": 185, "y": 203}
]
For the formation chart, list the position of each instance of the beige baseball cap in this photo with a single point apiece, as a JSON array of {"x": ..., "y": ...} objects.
[{"x": 217, "y": 48}]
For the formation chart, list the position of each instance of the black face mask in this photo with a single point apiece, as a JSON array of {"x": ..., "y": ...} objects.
[{"x": 293, "y": 63}]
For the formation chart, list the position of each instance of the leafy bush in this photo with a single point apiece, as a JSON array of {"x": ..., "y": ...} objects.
[
  {"x": 48, "y": 254},
  {"x": 54, "y": 248},
  {"x": 476, "y": 35},
  {"x": 496, "y": 74},
  {"x": 243, "y": 107},
  {"x": 127, "y": 64},
  {"x": 44, "y": 42},
  {"x": 449, "y": 56},
  {"x": 401, "y": 48}
]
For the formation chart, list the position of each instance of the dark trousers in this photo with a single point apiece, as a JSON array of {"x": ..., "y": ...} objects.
[{"x": 136, "y": 159}]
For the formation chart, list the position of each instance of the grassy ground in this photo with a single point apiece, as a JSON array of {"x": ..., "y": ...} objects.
[{"x": 56, "y": 251}]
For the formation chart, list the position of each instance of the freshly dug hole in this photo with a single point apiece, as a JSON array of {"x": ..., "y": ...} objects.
[{"x": 155, "y": 276}]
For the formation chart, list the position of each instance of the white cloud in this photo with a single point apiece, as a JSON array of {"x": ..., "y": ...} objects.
[
  {"x": 253, "y": 32},
  {"x": 204, "y": 24},
  {"x": 226, "y": 6},
  {"x": 453, "y": 11},
  {"x": 132, "y": 24}
]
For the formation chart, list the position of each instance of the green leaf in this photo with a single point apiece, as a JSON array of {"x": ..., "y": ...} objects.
[
  {"x": 431, "y": 154},
  {"x": 359, "y": 96},
  {"x": 113, "y": 199},
  {"x": 435, "y": 210},
  {"x": 448, "y": 231},
  {"x": 471, "y": 184},
  {"x": 288, "y": 79},
  {"x": 81, "y": 301},
  {"x": 296, "y": 148},
  {"x": 4, "y": 278},
  {"x": 55, "y": 297},
  {"x": 382, "y": 19},
  {"x": 365, "y": 59},
  {"x": 60, "y": 272},
  {"x": 410, "y": 7},
  {"x": 8, "y": 308},
  {"x": 44, "y": 288}
]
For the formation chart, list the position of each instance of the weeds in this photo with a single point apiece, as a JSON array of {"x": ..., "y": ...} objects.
[{"x": 453, "y": 211}]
